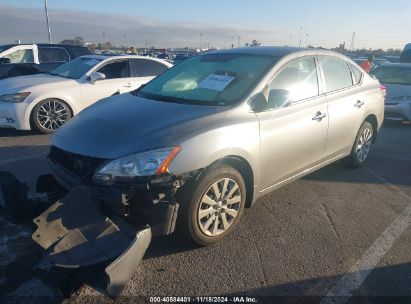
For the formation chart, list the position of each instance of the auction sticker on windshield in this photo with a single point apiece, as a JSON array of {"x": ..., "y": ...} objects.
[{"x": 216, "y": 82}]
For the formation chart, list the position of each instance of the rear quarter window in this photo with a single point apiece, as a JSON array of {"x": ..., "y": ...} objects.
[
  {"x": 337, "y": 75},
  {"x": 144, "y": 67}
]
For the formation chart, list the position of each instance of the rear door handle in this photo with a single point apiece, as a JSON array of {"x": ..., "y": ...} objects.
[
  {"x": 319, "y": 116},
  {"x": 359, "y": 104}
]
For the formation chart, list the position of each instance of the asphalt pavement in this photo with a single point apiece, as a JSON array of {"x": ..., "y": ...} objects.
[{"x": 341, "y": 233}]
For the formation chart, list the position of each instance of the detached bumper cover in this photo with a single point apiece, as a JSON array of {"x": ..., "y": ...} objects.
[{"x": 75, "y": 233}]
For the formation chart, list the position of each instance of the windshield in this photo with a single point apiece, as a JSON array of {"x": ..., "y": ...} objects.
[
  {"x": 75, "y": 68},
  {"x": 393, "y": 74},
  {"x": 221, "y": 79}
]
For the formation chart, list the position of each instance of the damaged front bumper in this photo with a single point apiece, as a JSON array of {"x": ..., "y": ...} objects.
[
  {"x": 92, "y": 225},
  {"x": 76, "y": 233}
]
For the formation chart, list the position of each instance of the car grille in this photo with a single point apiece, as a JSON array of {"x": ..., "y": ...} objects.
[{"x": 80, "y": 166}]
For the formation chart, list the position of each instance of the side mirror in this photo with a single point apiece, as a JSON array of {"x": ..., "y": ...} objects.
[
  {"x": 5, "y": 60},
  {"x": 259, "y": 103},
  {"x": 95, "y": 76},
  {"x": 278, "y": 98}
]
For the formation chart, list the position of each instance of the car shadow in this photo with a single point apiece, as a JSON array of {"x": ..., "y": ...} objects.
[
  {"x": 388, "y": 284},
  {"x": 15, "y": 133}
]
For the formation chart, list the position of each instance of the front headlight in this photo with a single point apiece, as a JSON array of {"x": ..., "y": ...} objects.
[
  {"x": 123, "y": 170},
  {"x": 14, "y": 98}
]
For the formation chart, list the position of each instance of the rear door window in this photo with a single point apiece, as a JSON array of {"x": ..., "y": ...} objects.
[
  {"x": 144, "y": 68},
  {"x": 337, "y": 75},
  {"x": 52, "y": 55},
  {"x": 116, "y": 69}
]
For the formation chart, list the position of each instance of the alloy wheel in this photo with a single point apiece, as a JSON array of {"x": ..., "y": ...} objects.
[
  {"x": 52, "y": 114},
  {"x": 364, "y": 144},
  {"x": 219, "y": 207}
]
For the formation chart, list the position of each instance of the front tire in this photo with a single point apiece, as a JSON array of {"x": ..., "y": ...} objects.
[
  {"x": 50, "y": 114},
  {"x": 212, "y": 206},
  {"x": 361, "y": 146}
]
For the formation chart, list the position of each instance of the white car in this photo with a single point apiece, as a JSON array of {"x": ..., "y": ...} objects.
[{"x": 47, "y": 101}]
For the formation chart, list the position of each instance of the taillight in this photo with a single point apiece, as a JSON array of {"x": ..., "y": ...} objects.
[{"x": 383, "y": 89}]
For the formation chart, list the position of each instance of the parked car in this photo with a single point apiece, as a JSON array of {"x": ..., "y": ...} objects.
[
  {"x": 46, "y": 101},
  {"x": 396, "y": 77},
  {"x": 392, "y": 58},
  {"x": 178, "y": 58},
  {"x": 213, "y": 134},
  {"x": 28, "y": 59},
  {"x": 377, "y": 61},
  {"x": 406, "y": 54}
]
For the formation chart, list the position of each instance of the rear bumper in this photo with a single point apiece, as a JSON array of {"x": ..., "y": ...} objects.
[{"x": 398, "y": 111}]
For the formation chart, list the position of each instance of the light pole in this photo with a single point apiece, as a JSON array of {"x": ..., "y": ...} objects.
[
  {"x": 201, "y": 41},
  {"x": 301, "y": 34},
  {"x": 47, "y": 20},
  {"x": 306, "y": 42}
]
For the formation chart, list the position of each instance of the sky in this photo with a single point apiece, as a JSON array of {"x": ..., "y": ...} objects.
[{"x": 219, "y": 23}]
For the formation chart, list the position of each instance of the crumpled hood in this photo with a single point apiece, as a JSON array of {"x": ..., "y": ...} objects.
[
  {"x": 23, "y": 83},
  {"x": 125, "y": 124}
]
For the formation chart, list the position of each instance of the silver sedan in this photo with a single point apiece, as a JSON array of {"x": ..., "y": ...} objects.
[
  {"x": 396, "y": 77},
  {"x": 216, "y": 132}
]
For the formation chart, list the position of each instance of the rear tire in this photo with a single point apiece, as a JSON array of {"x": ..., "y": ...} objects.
[
  {"x": 361, "y": 146},
  {"x": 212, "y": 206}
]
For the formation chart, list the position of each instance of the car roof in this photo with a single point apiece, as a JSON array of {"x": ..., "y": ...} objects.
[
  {"x": 103, "y": 57},
  {"x": 44, "y": 45},
  {"x": 275, "y": 51}
]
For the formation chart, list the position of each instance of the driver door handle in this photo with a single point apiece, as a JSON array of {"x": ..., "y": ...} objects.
[
  {"x": 359, "y": 104},
  {"x": 319, "y": 116},
  {"x": 127, "y": 85}
]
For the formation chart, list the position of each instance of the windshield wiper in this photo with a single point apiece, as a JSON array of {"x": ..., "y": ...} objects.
[{"x": 161, "y": 97}]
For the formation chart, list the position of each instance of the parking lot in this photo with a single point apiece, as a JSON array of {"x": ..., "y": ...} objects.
[{"x": 314, "y": 237}]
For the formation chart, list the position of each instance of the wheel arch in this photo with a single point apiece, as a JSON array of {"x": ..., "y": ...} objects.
[
  {"x": 372, "y": 119},
  {"x": 244, "y": 168}
]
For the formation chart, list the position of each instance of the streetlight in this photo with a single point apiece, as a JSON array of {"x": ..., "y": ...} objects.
[
  {"x": 201, "y": 41},
  {"x": 301, "y": 34},
  {"x": 47, "y": 20},
  {"x": 306, "y": 36}
]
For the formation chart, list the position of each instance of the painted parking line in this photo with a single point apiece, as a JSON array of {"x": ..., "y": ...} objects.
[
  {"x": 350, "y": 282},
  {"x": 22, "y": 158}
]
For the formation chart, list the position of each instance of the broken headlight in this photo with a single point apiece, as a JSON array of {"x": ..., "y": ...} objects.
[{"x": 123, "y": 170}]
